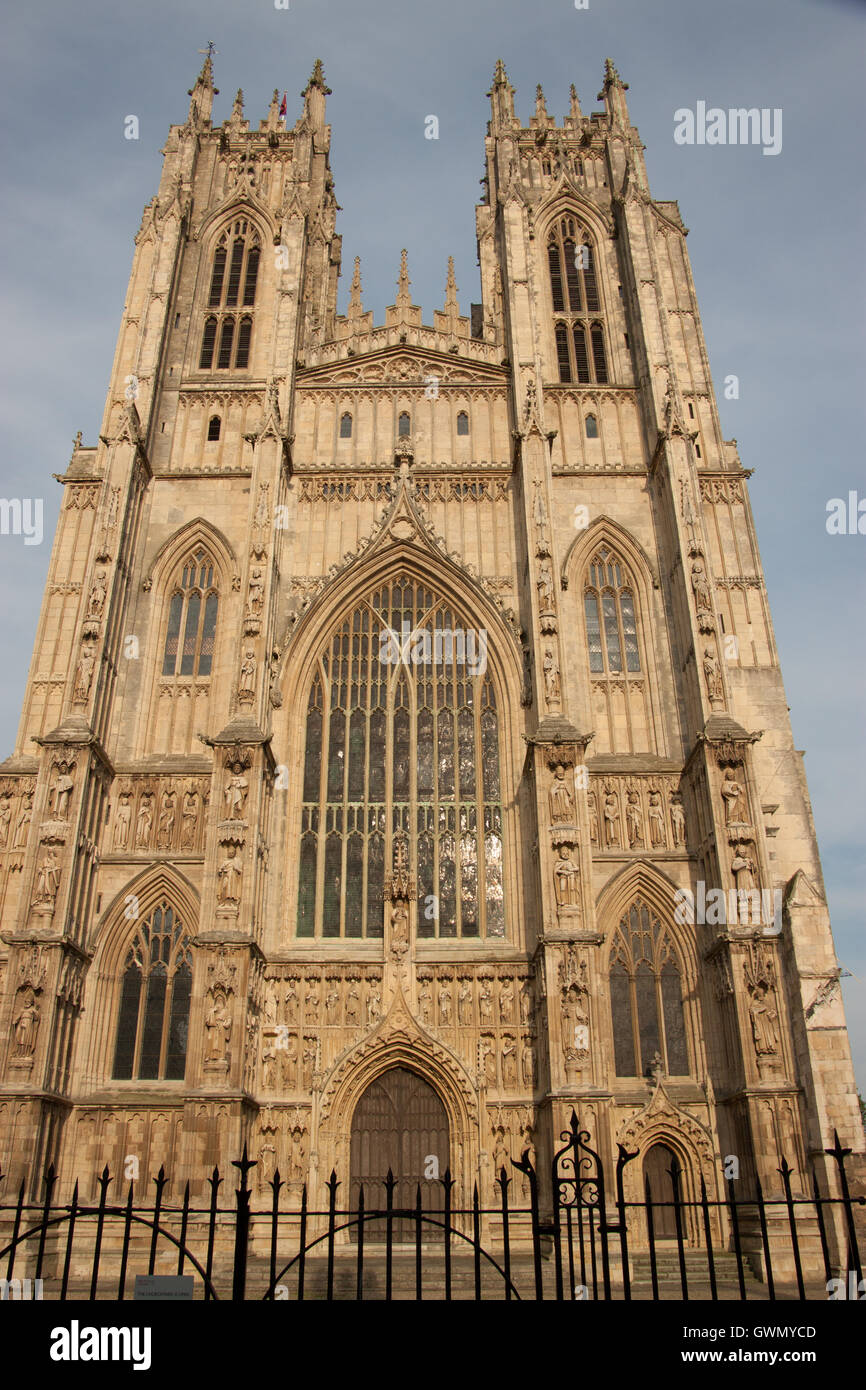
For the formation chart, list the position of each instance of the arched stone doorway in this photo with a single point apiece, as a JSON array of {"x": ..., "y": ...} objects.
[
  {"x": 656, "y": 1167},
  {"x": 399, "y": 1123}
]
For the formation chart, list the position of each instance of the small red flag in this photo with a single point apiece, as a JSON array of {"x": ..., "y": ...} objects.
[{"x": 283, "y": 105}]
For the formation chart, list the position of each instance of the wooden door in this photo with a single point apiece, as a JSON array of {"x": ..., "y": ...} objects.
[
  {"x": 656, "y": 1167},
  {"x": 399, "y": 1123}
]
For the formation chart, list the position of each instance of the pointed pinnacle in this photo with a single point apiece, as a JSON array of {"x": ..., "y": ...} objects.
[
  {"x": 500, "y": 76},
  {"x": 404, "y": 282},
  {"x": 317, "y": 79},
  {"x": 451, "y": 286}
]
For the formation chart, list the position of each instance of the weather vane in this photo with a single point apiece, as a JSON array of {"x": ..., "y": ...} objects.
[{"x": 210, "y": 50}]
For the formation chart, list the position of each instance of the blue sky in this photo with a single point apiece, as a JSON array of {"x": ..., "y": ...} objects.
[{"x": 776, "y": 248}]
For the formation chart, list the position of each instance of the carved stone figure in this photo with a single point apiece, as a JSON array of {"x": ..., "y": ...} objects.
[
  {"x": 399, "y": 929},
  {"x": 291, "y": 1001},
  {"x": 218, "y": 1028},
  {"x": 464, "y": 1003},
  {"x": 247, "y": 680},
  {"x": 236, "y": 790},
  {"x": 165, "y": 829},
  {"x": 5, "y": 818},
  {"x": 734, "y": 798},
  {"x": 656, "y": 818},
  {"x": 678, "y": 822},
  {"x": 544, "y": 584},
  {"x": 47, "y": 880},
  {"x": 701, "y": 588},
  {"x": 144, "y": 822},
  {"x": 763, "y": 1017},
  {"x": 560, "y": 798},
  {"x": 22, "y": 829},
  {"x": 229, "y": 875},
  {"x": 257, "y": 592},
  {"x": 528, "y": 1064},
  {"x": 353, "y": 1004},
  {"x": 712, "y": 674},
  {"x": 60, "y": 794},
  {"x": 633, "y": 819},
  {"x": 374, "y": 1003},
  {"x": 444, "y": 1004},
  {"x": 611, "y": 820},
  {"x": 742, "y": 867},
  {"x": 122, "y": 820},
  {"x": 311, "y": 1001},
  {"x": 488, "y": 1059},
  {"x": 485, "y": 1002},
  {"x": 501, "y": 1154},
  {"x": 309, "y": 1062},
  {"x": 592, "y": 807},
  {"x": 551, "y": 676},
  {"x": 566, "y": 877},
  {"x": 84, "y": 673},
  {"x": 332, "y": 1001},
  {"x": 96, "y": 601},
  {"x": 189, "y": 819},
  {"x": 25, "y": 1026},
  {"x": 425, "y": 1001},
  {"x": 509, "y": 1061},
  {"x": 506, "y": 1000}
]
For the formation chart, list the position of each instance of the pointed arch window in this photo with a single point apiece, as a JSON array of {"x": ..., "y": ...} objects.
[
  {"x": 574, "y": 296},
  {"x": 646, "y": 996},
  {"x": 611, "y": 627},
  {"x": 402, "y": 747},
  {"x": 233, "y": 281},
  {"x": 345, "y": 425},
  {"x": 403, "y": 424},
  {"x": 153, "y": 1015},
  {"x": 192, "y": 616},
  {"x": 213, "y": 428}
]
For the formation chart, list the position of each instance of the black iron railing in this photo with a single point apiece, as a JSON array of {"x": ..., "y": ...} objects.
[{"x": 578, "y": 1241}]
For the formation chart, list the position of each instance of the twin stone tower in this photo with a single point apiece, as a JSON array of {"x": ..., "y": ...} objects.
[{"x": 405, "y": 725}]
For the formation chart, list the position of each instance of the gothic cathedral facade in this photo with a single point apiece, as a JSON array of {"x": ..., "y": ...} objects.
[{"x": 405, "y": 750}]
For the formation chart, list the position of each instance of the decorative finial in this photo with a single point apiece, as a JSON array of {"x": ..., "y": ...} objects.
[
  {"x": 575, "y": 112},
  {"x": 451, "y": 287},
  {"x": 403, "y": 296},
  {"x": 500, "y": 76},
  {"x": 355, "y": 306},
  {"x": 317, "y": 79}
]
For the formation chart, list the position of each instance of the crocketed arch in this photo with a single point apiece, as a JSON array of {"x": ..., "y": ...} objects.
[
  {"x": 401, "y": 754},
  {"x": 117, "y": 933},
  {"x": 611, "y": 583},
  {"x": 197, "y": 532}
]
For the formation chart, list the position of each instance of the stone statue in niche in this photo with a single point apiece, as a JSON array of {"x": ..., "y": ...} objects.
[
  {"x": 311, "y": 1001},
  {"x": 763, "y": 1017},
  {"x": 144, "y": 821},
  {"x": 464, "y": 1003},
  {"x": 742, "y": 867},
  {"x": 218, "y": 1027},
  {"x": 257, "y": 592},
  {"x": 374, "y": 1003},
  {"x": 60, "y": 793},
  {"x": 25, "y": 1026},
  {"x": 237, "y": 787},
  {"x": 544, "y": 584},
  {"x": 290, "y": 1001},
  {"x": 734, "y": 799},
  {"x": 528, "y": 1064},
  {"x": 501, "y": 1154},
  {"x": 84, "y": 673},
  {"x": 611, "y": 820},
  {"x": 566, "y": 875},
  {"x": 189, "y": 819},
  {"x": 485, "y": 1002},
  {"x": 488, "y": 1059},
  {"x": 656, "y": 818},
  {"x": 506, "y": 1000},
  {"x": 592, "y": 807},
  {"x": 633, "y": 819},
  {"x": 560, "y": 798},
  {"x": 47, "y": 881},
  {"x": 165, "y": 829},
  {"x": 509, "y": 1060},
  {"x": 551, "y": 677},
  {"x": 5, "y": 818},
  {"x": 309, "y": 1062},
  {"x": 229, "y": 876},
  {"x": 332, "y": 1001},
  {"x": 712, "y": 674},
  {"x": 399, "y": 929},
  {"x": 96, "y": 600},
  {"x": 353, "y": 1004},
  {"x": 444, "y": 1004},
  {"x": 122, "y": 822},
  {"x": 23, "y": 827},
  {"x": 247, "y": 679},
  {"x": 678, "y": 822},
  {"x": 425, "y": 1001}
]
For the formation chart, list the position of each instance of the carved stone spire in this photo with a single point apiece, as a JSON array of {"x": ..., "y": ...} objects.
[
  {"x": 451, "y": 288},
  {"x": 203, "y": 92},
  {"x": 314, "y": 96},
  {"x": 273, "y": 116},
  {"x": 236, "y": 119},
  {"x": 501, "y": 100},
  {"x": 575, "y": 113},
  {"x": 404, "y": 298},
  {"x": 541, "y": 117},
  {"x": 356, "y": 308},
  {"x": 613, "y": 95}
]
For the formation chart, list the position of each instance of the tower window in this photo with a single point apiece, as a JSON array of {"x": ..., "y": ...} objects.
[
  {"x": 403, "y": 425},
  {"x": 591, "y": 427},
  {"x": 192, "y": 614},
  {"x": 691, "y": 411},
  {"x": 462, "y": 422},
  {"x": 611, "y": 627},
  {"x": 346, "y": 426},
  {"x": 574, "y": 294},
  {"x": 213, "y": 429},
  {"x": 153, "y": 1018},
  {"x": 233, "y": 280}
]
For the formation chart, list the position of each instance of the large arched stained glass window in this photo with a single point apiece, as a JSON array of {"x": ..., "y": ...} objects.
[
  {"x": 192, "y": 615},
  {"x": 153, "y": 1020},
  {"x": 646, "y": 997},
  {"x": 402, "y": 742}
]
